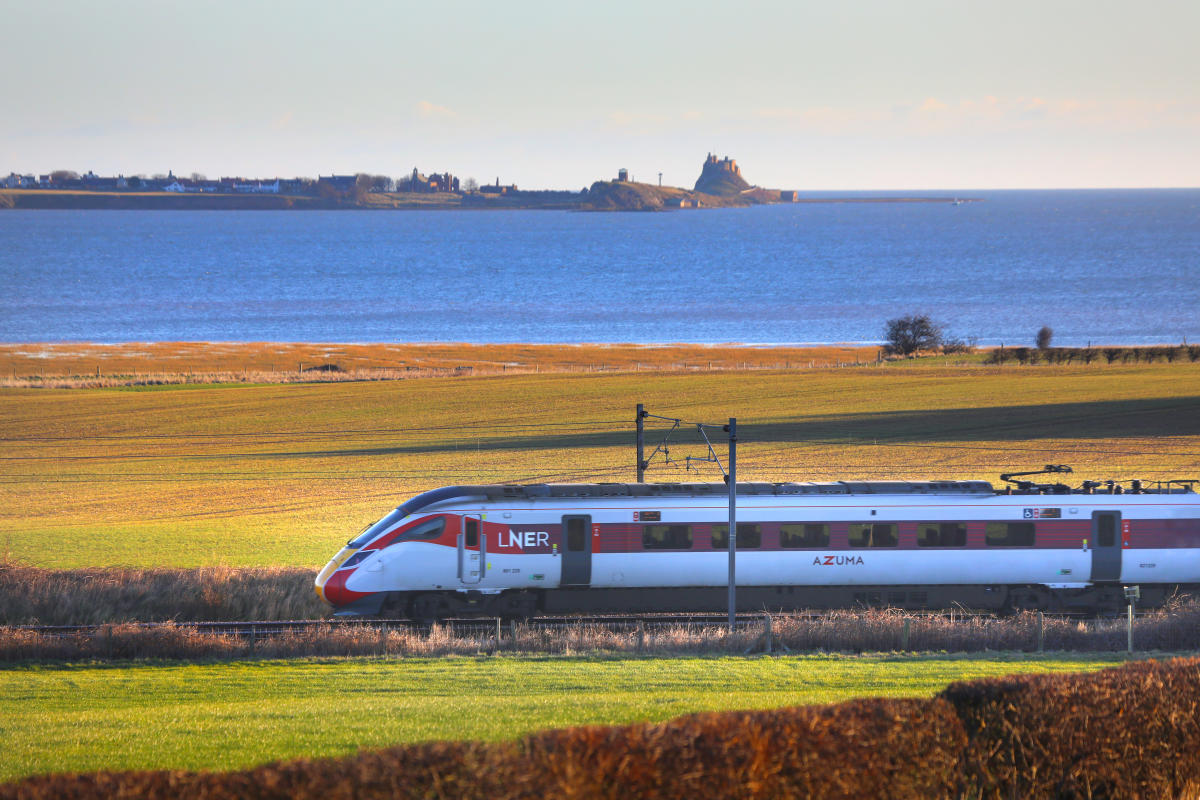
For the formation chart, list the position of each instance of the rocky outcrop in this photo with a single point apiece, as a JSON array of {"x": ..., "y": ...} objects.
[{"x": 721, "y": 177}]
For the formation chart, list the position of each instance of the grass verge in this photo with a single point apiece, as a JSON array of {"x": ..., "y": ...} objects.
[{"x": 228, "y": 716}]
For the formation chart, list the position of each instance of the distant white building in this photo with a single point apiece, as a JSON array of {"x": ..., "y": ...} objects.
[
  {"x": 15, "y": 181},
  {"x": 258, "y": 187}
]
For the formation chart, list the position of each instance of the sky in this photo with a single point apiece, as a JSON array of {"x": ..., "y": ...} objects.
[{"x": 851, "y": 95}]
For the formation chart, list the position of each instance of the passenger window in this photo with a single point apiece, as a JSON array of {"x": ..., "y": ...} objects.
[
  {"x": 749, "y": 536},
  {"x": 667, "y": 537},
  {"x": 472, "y": 532},
  {"x": 1009, "y": 534},
  {"x": 941, "y": 534},
  {"x": 576, "y": 532},
  {"x": 873, "y": 534},
  {"x": 1106, "y": 532},
  {"x": 804, "y": 535}
]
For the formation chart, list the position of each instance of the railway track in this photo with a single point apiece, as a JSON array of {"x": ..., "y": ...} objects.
[{"x": 469, "y": 625}]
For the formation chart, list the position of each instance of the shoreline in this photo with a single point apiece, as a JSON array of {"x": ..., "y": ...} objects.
[
  {"x": 329, "y": 361},
  {"x": 96, "y": 365},
  {"x": 549, "y": 200}
]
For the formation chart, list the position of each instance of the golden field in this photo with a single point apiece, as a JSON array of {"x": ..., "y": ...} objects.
[{"x": 280, "y": 474}]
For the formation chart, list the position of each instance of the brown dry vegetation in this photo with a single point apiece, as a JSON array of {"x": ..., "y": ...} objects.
[
  {"x": 81, "y": 365},
  {"x": 851, "y": 631},
  {"x": 1129, "y": 732},
  {"x": 32, "y": 596}
]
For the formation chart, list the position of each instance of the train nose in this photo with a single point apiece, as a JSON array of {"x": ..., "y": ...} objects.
[{"x": 327, "y": 572}]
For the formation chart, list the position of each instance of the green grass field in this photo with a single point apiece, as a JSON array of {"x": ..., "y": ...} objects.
[
  {"x": 227, "y": 716},
  {"x": 245, "y": 475}
]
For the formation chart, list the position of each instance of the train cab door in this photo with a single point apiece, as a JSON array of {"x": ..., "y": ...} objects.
[
  {"x": 472, "y": 550},
  {"x": 576, "y": 551},
  {"x": 1106, "y": 545}
]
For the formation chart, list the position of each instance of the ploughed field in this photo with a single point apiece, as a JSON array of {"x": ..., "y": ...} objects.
[
  {"x": 277, "y": 475},
  {"x": 226, "y": 716}
]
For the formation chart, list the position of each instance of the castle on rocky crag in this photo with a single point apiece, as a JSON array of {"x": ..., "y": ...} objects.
[
  {"x": 728, "y": 164},
  {"x": 721, "y": 177}
]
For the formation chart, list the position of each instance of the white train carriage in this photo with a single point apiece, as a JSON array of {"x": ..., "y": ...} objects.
[{"x": 518, "y": 550}]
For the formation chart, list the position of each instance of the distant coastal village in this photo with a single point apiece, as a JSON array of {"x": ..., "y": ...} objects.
[{"x": 720, "y": 185}]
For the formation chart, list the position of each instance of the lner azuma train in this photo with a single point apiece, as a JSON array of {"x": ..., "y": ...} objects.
[{"x": 517, "y": 550}]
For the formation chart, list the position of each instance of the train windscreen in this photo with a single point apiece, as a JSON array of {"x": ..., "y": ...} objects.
[{"x": 376, "y": 529}]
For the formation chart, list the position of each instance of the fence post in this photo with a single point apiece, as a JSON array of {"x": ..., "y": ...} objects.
[
  {"x": 1129, "y": 629},
  {"x": 497, "y": 633},
  {"x": 1041, "y": 632},
  {"x": 904, "y": 636},
  {"x": 641, "y": 636},
  {"x": 768, "y": 635},
  {"x": 252, "y": 638}
]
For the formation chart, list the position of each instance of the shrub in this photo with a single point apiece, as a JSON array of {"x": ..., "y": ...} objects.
[
  {"x": 1132, "y": 731},
  {"x": 1044, "y": 337},
  {"x": 954, "y": 345},
  {"x": 864, "y": 748},
  {"x": 998, "y": 356}
]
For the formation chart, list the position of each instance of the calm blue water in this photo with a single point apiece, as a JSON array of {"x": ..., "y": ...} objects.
[{"x": 1105, "y": 266}]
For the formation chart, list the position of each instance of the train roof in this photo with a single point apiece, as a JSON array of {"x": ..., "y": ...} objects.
[{"x": 536, "y": 491}]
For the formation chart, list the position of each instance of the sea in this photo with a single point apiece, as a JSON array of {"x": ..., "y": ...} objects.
[{"x": 1098, "y": 266}]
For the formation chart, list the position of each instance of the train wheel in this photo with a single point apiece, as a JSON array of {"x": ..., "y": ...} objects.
[
  {"x": 515, "y": 605},
  {"x": 1028, "y": 599},
  {"x": 428, "y": 608}
]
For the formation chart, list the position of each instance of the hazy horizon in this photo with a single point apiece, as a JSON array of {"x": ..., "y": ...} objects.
[{"x": 871, "y": 96}]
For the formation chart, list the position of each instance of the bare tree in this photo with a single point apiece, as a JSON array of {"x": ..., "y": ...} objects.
[
  {"x": 470, "y": 185},
  {"x": 911, "y": 333},
  {"x": 60, "y": 175},
  {"x": 199, "y": 176}
]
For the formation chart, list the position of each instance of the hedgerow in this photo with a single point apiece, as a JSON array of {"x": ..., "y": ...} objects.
[{"x": 1132, "y": 731}]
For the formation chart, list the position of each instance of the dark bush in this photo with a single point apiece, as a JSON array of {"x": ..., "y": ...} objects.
[
  {"x": 865, "y": 748},
  {"x": 1128, "y": 732},
  {"x": 997, "y": 356},
  {"x": 1044, "y": 336}
]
